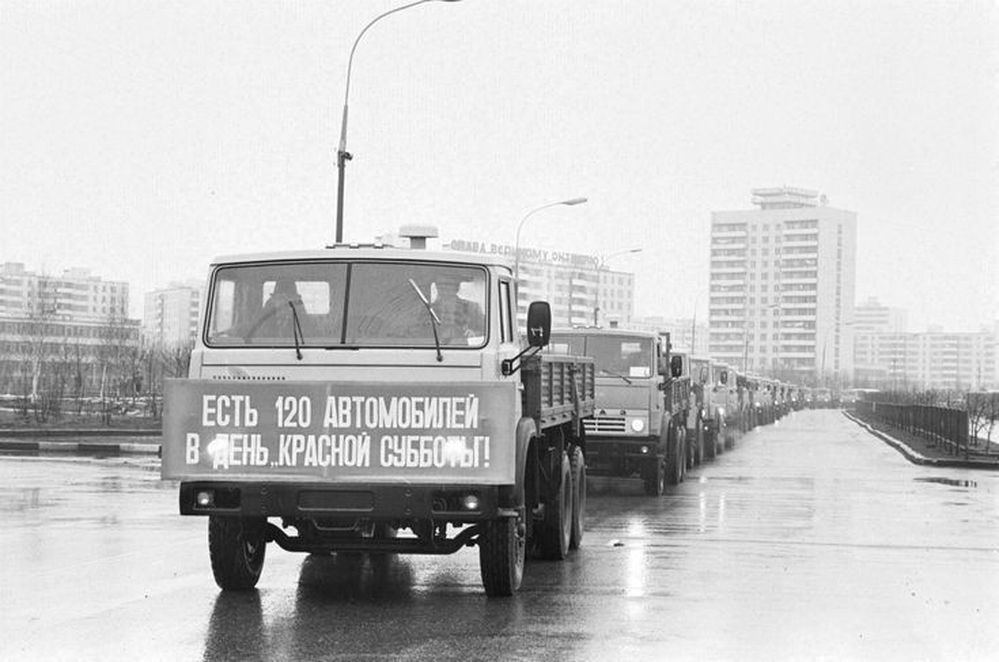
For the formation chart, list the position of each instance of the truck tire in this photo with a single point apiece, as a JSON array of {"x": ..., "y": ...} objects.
[
  {"x": 654, "y": 476},
  {"x": 707, "y": 441},
  {"x": 502, "y": 551},
  {"x": 237, "y": 548},
  {"x": 577, "y": 466},
  {"x": 695, "y": 455},
  {"x": 674, "y": 458},
  {"x": 556, "y": 528}
]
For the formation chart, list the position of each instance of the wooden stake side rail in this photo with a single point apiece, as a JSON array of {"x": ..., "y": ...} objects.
[{"x": 558, "y": 389}]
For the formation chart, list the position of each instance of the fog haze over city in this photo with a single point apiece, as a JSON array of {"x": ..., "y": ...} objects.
[{"x": 139, "y": 140}]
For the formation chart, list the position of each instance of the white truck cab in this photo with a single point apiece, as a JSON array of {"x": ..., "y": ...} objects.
[{"x": 359, "y": 392}]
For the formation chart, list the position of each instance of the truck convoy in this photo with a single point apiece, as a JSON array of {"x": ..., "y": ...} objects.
[
  {"x": 372, "y": 399},
  {"x": 660, "y": 413},
  {"x": 638, "y": 428}
]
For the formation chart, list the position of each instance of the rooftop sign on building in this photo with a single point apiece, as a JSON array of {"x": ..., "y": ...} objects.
[{"x": 555, "y": 258}]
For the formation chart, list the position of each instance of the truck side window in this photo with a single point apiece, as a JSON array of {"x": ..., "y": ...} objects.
[{"x": 506, "y": 318}]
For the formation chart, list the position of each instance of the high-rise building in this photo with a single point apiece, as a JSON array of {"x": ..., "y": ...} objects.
[
  {"x": 782, "y": 286},
  {"x": 874, "y": 317},
  {"x": 881, "y": 348},
  {"x": 170, "y": 314}
]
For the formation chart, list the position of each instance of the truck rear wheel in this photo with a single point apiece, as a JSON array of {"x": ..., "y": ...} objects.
[
  {"x": 707, "y": 441},
  {"x": 556, "y": 528},
  {"x": 236, "y": 547},
  {"x": 577, "y": 466},
  {"x": 695, "y": 448},
  {"x": 502, "y": 551}
]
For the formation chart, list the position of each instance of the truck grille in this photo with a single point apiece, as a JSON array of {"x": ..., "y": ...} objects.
[{"x": 605, "y": 424}]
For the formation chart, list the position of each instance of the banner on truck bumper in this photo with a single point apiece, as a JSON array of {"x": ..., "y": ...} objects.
[{"x": 421, "y": 432}]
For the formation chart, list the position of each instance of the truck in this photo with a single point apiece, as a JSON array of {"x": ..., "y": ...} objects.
[
  {"x": 337, "y": 402},
  {"x": 641, "y": 404},
  {"x": 727, "y": 393},
  {"x": 709, "y": 419}
]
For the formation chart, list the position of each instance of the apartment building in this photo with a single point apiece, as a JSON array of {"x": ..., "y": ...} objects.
[
  {"x": 170, "y": 314},
  {"x": 933, "y": 359},
  {"x": 76, "y": 294},
  {"x": 60, "y": 332},
  {"x": 782, "y": 286},
  {"x": 582, "y": 289}
]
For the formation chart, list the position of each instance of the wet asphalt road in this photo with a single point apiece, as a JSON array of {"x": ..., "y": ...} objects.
[{"x": 810, "y": 540}]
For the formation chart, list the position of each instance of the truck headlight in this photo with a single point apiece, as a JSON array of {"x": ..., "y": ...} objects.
[{"x": 637, "y": 425}]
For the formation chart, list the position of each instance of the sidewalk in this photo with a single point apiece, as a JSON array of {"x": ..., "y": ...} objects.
[
  {"x": 916, "y": 457},
  {"x": 109, "y": 441}
]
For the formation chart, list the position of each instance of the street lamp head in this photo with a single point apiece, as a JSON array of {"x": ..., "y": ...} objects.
[{"x": 516, "y": 247}]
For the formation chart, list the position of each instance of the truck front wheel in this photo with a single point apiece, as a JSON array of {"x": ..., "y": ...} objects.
[
  {"x": 236, "y": 547},
  {"x": 654, "y": 476},
  {"x": 502, "y": 550},
  {"x": 675, "y": 457}
]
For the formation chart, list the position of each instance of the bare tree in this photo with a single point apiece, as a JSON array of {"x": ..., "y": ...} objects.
[
  {"x": 991, "y": 416},
  {"x": 116, "y": 346},
  {"x": 977, "y": 406}
]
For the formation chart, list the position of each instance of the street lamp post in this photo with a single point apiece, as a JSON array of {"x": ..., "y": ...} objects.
[
  {"x": 342, "y": 155},
  {"x": 516, "y": 248}
]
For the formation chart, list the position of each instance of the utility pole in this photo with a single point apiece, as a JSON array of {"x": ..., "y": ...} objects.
[{"x": 693, "y": 326}]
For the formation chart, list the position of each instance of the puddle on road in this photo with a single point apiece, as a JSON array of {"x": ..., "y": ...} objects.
[{"x": 953, "y": 482}]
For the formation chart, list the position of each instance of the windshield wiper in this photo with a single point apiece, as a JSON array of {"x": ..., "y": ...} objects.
[
  {"x": 614, "y": 374},
  {"x": 296, "y": 331},
  {"x": 434, "y": 319}
]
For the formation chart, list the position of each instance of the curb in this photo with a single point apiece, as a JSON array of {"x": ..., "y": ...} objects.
[
  {"x": 81, "y": 447},
  {"x": 31, "y": 433},
  {"x": 919, "y": 458}
]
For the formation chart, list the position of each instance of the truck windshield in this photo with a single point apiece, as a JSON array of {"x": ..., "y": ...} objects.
[
  {"x": 353, "y": 304},
  {"x": 626, "y": 356}
]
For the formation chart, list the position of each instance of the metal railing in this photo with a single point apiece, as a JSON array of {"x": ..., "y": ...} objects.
[{"x": 943, "y": 427}]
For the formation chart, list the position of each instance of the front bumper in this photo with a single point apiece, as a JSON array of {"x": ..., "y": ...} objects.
[
  {"x": 609, "y": 448},
  {"x": 370, "y": 501}
]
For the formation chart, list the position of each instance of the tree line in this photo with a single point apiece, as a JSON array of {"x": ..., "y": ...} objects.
[{"x": 50, "y": 371}]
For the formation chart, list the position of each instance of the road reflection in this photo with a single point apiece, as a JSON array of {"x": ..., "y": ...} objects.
[
  {"x": 352, "y": 577},
  {"x": 236, "y": 628}
]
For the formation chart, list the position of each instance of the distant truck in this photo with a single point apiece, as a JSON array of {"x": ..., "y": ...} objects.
[
  {"x": 369, "y": 399},
  {"x": 708, "y": 378},
  {"x": 641, "y": 404},
  {"x": 727, "y": 392},
  {"x": 822, "y": 398}
]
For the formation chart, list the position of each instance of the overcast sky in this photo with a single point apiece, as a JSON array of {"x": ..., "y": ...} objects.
[{"x": 139, "y": 139}]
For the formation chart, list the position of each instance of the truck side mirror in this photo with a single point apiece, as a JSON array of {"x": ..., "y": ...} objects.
[
  {"x": 539, "y": 323},
  {"x": 661, "y": 367},
  {"x": 676, "y": 366},
  {"x": 723, "y": 377}
]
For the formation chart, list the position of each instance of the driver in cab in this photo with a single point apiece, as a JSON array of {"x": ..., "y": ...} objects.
[{"x": 462, "y": 321}]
